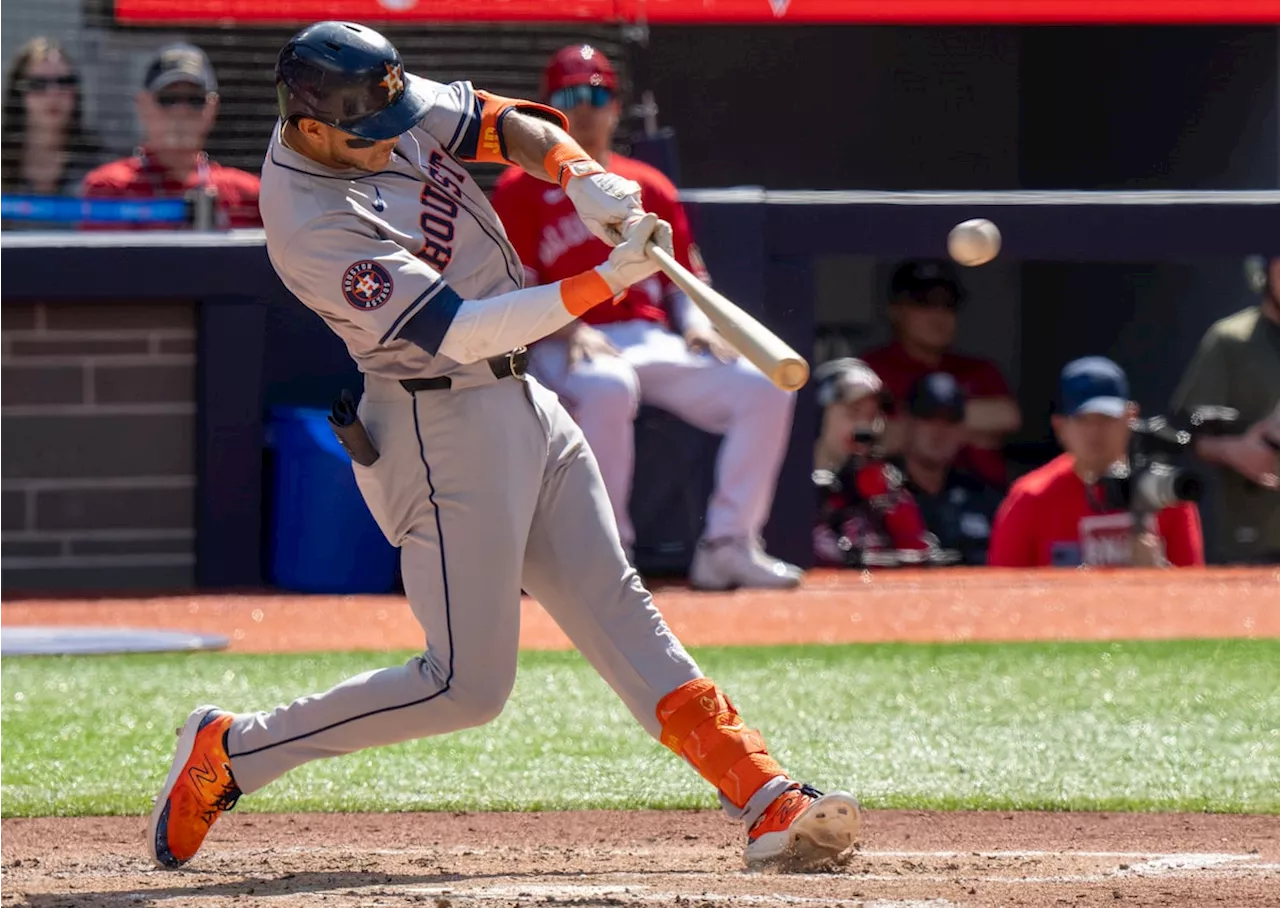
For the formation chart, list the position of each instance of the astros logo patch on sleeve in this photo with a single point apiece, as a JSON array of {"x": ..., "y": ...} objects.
[{"x": 366, "y": 285}]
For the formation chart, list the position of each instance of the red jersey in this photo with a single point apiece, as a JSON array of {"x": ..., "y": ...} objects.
[
  {"x": 1047, "y": 520},
  {"x": 977, "y": 377},
  {"x": 141, "y": 177},
  {"x": 554, "y": 244}
]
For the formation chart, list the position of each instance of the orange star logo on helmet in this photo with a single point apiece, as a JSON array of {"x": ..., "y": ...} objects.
[{"x": 394, "y": 82}]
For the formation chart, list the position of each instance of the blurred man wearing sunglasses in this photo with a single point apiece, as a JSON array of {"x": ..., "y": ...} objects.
[
  {"x": 924, "y": 297},
  {"x": 653, "y": 345},
  {"x": 176, "y": 109}
]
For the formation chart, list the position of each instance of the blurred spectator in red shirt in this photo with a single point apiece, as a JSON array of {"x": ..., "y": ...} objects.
[
  {"x": 177, "y": 106},
  {"x": 1057, "y": 516},
  {"x": 924, "y": 297},
  {"x": 46, "y": 148},
  {"x": 653, "y": 345}
]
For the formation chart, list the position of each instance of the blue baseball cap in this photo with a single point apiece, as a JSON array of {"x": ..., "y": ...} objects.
[
  {"x": 937, "y": 396},
  {"x": 1093, "y": 384}
]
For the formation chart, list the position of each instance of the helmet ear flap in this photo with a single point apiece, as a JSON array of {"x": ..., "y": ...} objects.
[{"x": 282, "y": 99}]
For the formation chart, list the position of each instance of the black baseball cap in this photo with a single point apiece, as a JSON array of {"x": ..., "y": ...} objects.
[
  {"x": 937, "y": 396},
  {"x": 917, "y": 277},
  {"x": 176, "y": 63}
]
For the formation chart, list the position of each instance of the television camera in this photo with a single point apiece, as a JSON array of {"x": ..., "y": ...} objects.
[{"x": 1157, "y": 474}]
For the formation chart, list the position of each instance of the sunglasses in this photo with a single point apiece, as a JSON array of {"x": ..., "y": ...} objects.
[
  {"x": 193, "y": 101},
  {"x": 44, "y": 83},
  {"x": 571, "y": 97},
  {"x": 927, "y": 299}
]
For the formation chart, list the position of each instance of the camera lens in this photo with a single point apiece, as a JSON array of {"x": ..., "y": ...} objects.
[
  {"x": 1187, "y": 486},
  {"x": 1162, "y": 486}
]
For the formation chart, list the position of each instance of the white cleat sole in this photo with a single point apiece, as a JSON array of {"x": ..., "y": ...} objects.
[{"x": 824, "y": 833}]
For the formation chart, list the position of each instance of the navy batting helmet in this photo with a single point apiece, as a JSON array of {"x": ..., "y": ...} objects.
[{"x": 349, "y": 77}]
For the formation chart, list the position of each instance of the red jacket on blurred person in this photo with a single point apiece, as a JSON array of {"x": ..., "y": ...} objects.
[
  {"x": 1059, "y": 515},
  {"x": 177, "y": 106}
]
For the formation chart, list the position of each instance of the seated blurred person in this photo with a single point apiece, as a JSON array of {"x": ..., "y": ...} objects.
[
  {"x": 852, "y": 400},
  {"x": 958, "y": 507},
  {"x": 866, "y": 515},
  {"x": 924, "y": 297},
  {"x": 45, "y": 149},
  {"x": 1238, "y": 366},
  {"x": 651, "y": 346},
  {"x": 1067, "y": 513},
  {"x": 176, "y": 107}
]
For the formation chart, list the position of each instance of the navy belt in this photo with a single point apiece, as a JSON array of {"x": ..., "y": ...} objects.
[{"x": 515, "y": 363}]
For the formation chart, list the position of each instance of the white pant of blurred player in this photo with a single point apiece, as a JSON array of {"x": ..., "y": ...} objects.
[{"x": 734, "y": 400}]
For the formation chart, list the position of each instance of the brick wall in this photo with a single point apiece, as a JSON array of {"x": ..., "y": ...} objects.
[{"x": 98, "y": 419}]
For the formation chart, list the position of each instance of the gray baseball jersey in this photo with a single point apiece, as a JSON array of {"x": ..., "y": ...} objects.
[{"x": 487, "y": 487}]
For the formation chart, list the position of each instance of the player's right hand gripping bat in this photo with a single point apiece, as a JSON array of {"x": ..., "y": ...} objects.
[{"x": 765, "y": 350}]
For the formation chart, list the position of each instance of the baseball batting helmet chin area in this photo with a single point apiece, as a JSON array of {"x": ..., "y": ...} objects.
[{"x": 350, "y": 77}]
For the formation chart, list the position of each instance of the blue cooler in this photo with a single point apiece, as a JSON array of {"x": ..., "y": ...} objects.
[{"x": 322, "y": 537}]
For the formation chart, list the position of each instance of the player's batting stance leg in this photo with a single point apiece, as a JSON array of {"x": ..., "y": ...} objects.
[{"x": 575, "y": 567}]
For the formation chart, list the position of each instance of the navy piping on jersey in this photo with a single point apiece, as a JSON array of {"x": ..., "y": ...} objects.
[
  {"x": 468, "y": 104},
  {"x": 506, "y": 261},
  {"x": 507, "y": 251},
  {"x": 448, "y": 621},
  {"x": 348, "y": 179},
  {"x": 466, "y": 138},
  {"x": 429, "y": 324},
  {"x": 470, "y": 141},
  {"x": 432, "y": 288}
]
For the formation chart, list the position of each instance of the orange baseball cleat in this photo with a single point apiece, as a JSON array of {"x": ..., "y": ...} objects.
[
  {"x": 198, "y": 790},
  {"x": 804, "y": 829}
]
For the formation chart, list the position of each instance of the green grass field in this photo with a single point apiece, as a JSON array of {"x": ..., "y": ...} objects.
[{"x": 1131, "y": 726}]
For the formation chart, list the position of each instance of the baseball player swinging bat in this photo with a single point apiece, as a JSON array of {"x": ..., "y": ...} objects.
[
  {"x": 472, "y": 468},
  {"x": 762, "y": 348}
]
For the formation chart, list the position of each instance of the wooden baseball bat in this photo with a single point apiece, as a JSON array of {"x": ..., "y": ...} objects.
[{"x": 761, "y": 347}]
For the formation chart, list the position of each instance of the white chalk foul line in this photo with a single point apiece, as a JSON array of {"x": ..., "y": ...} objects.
[
  {"x": 1153, "y": 865},
  {"x": 1134, "y": 855},
  {"x": 1128, "y": 865},
  {"x": 640, "y": 893},
  {"x": 1172, "y": 863}
]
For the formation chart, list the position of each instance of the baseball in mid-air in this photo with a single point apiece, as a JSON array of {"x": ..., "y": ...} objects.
[{"x": 974, "y": 242}]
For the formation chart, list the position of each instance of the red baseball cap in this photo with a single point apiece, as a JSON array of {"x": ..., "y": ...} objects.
[{"x": 578, "y": 64}]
